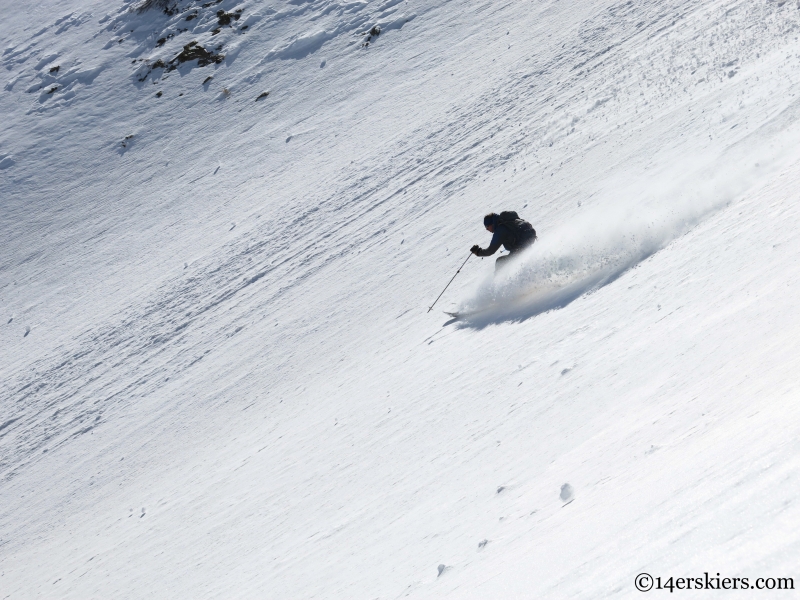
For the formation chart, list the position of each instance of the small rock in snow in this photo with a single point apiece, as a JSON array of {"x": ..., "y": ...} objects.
[
  {"x": 442, "y": 569},
  {"x": 567, "y": 493},
  {"x": 482, "y": 544},
  {"x": 27, "y": 330}
]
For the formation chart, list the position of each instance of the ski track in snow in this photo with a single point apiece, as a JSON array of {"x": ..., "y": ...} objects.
[{"x": 139, "y": 309}]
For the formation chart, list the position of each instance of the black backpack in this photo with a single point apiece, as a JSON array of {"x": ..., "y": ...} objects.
[{"x": 522, "y": 232}]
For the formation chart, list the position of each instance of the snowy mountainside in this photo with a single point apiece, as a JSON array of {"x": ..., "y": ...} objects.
[{"x": 219, "y": 377}]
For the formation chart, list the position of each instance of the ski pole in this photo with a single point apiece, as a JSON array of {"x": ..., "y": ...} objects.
[{"x": 448, "y": 284}]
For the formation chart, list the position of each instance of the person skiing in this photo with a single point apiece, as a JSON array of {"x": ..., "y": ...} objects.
[{"x": 508, "y": 230}]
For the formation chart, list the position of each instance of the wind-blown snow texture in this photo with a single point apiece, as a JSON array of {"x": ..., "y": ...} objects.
[{"x": 222, "y": 226}]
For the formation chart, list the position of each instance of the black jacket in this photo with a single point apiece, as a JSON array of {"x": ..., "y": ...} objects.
[{"x": 505, "y": 236}]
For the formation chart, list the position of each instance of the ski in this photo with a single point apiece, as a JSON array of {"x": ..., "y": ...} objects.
[{"x": 459, "y": 315}]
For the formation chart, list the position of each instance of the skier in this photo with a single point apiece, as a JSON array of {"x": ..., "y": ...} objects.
[{"x": 509, "y": 230}]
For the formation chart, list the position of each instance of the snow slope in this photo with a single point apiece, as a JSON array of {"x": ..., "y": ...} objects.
[{"x": 219, "y": 375}]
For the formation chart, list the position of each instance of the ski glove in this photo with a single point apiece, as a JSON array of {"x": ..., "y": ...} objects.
[{"x": 475, "y": 249}]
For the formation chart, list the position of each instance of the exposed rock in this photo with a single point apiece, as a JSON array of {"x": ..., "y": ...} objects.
[
  {"x": 192, "y": 51},
  {"x": 567, "y": 493},
  {"x": 373, "y": 33},
  {"x": 224, "y": 18},
  {"x": 161, "y": 41},
  {"x": 153, "y": 4}
]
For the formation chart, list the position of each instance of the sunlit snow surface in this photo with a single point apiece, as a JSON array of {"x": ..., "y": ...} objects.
[{"x": 221, "y": 231}]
